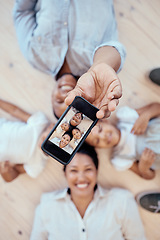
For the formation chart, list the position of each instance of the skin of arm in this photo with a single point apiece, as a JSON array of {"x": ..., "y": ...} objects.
[
  {"x": 100, "y": 85},
  {"x": 145, "y": 114},
  {"x": 14, "y": 111},
  {"x": 108, "y": 55}
]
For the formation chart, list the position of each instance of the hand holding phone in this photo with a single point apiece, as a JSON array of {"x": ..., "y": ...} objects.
[{"x": 70, "y": 131}]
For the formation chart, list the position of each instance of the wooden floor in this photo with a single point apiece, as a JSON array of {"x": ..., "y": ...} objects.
[{"x": 139, "y": 30}]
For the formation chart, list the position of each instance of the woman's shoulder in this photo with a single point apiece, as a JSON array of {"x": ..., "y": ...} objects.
[
  {"x": 121, "y": 191},
  {"x": 116, "y": 193},
  {"x": 51, "y": 196}
]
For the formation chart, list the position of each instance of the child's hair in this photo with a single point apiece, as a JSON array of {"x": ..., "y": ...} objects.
[
  {"x": 68, "y": 133},
  {"x": 90, "y": 151}
]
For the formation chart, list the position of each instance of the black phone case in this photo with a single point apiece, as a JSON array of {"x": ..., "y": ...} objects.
[{"x": 58, "y": 153}]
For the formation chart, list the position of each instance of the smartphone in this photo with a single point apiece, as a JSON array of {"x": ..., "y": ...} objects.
[{"x": 71, "y": 130}]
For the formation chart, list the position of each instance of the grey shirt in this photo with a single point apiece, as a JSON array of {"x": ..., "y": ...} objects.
[{"x": 50, "y": 30}]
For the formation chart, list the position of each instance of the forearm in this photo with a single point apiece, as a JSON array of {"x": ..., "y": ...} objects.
[
  {"x": 14, "y": 111},
  {"x": 150, "y": 111},
  {"x": 108, "y": 55}
]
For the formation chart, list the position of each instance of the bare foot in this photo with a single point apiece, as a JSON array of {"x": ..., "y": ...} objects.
[{"x": 145, "y": 163}]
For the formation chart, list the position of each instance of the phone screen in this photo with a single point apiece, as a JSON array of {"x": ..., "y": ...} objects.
[{"x": 71, "y": 130}]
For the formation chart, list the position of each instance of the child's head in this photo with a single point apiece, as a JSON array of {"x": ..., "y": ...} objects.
[
  {"x": 65, "y": 126},
  {"x": 104, "y": 135},
  {"x": 76, "y": 133},
  {"x": 65, "y": 139},
  {"x": 76, "y": 119}
]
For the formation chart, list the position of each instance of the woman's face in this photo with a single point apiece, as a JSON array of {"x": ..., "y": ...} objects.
[
  {"x": 64, "y": 141},
  {"x": 65, "y": 126},
  {"x": 104, "y": 135},
  {"x": 81, "y": 175},
  {"x": 76, "y": 133},
  {"x": 76, "y": 119}
]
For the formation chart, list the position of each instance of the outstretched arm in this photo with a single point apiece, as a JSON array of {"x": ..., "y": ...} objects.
[
  {"x": 145, "y": 114},
  {"x": 152, "y": 110},
  {"x": 14, "y": 111},
  {"x": 100, "y": 85}
]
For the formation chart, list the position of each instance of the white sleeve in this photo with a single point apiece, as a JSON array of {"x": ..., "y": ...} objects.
[
  {"x": 127, "y": 114},
  {"x": 38, "y": 231},
  {"x": 132, "y": 227},
  {"x": 38, "y": 121},
  {"x": 121, "y": 163}
]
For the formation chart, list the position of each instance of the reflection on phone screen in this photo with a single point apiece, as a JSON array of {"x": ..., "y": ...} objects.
[{"x": 71, "y": 130}]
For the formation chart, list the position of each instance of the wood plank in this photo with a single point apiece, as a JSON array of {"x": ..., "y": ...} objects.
[{"x": 139, "y": 30}]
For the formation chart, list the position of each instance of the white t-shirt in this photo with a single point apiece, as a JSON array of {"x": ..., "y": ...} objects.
[
  {"x": 18, "y": 142},
  {"x": 131, "y": 146},
  {"x": 112, "y": 215}
]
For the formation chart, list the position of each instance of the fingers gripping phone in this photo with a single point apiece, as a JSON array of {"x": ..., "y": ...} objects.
[{"x": 71, "y": 130}]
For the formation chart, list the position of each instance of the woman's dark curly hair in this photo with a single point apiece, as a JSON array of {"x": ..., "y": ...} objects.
[{"x": 90, "y": 151}]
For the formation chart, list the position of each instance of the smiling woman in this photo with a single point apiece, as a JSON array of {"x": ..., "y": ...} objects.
[{"x": 85, "y": 209}]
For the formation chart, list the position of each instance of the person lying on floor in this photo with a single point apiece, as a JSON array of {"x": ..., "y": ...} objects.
[
  {"x": 85, "y": 210},
  {"x": 136, "y": 137},
  {"x": 68, "y": 48},
  {"x": 20, "y": 141}
]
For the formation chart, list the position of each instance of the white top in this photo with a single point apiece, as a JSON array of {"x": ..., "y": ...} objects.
[
  {"x": 18, "y": 142},
  {"x": 112, "y": 215},
  {"x": 131, "y": 146}
]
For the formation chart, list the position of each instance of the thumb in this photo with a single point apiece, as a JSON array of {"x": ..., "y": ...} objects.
[{"x": 71, "y": 96}]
